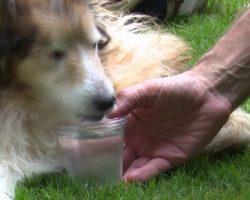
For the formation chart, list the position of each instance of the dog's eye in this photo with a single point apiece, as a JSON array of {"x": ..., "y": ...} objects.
[
  {"x": 58, "y": 54},
  {"x": 101, "y": 44}
]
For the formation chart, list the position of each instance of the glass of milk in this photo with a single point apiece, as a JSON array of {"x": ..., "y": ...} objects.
[{"x": 93, "y": 150}]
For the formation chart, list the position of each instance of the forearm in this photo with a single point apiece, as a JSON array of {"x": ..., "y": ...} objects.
[{"x": 226, "y": 67}]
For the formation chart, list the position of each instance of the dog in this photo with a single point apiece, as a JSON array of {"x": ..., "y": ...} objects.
[{"x": 65, "y": 60}]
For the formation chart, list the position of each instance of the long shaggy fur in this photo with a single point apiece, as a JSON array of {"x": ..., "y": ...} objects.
[{"x": 135, "y": 53}]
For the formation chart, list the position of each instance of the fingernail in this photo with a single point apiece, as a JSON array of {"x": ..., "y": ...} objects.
[
  {"x": 114, "y": 108},
  {"x": 125, "y": 180},
  {"x": 112, "y": 113}
]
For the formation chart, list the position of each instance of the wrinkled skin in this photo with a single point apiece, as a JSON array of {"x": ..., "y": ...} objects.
[{"x": 169, "y": 121}]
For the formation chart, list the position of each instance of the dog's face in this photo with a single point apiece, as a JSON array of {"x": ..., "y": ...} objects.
[{"x": 61, "y": 65}]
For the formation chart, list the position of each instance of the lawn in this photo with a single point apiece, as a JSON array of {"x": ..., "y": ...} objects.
[{"x": 221, "y": 176}]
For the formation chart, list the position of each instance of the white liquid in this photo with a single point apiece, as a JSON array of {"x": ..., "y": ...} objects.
[{"x": 94, "y": 158}]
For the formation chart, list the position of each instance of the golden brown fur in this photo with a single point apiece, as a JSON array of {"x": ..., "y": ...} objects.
[{"x": 51, "y": 70}]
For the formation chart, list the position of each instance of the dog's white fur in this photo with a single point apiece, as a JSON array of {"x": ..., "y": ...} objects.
[{"x": 47, "y": 87}]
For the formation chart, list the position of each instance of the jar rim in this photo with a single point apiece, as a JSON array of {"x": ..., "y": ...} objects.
[{"x": 105, "y": 123}]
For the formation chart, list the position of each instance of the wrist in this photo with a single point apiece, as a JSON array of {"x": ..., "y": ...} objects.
[
  {"x": 226, "y": 67},
  {"x": 226, "y": 78}
]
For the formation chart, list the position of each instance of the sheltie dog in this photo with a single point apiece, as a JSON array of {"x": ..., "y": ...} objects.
[{"x": 66, "y": 59}]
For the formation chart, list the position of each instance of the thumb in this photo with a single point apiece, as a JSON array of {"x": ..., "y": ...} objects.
[
  {"x": 144, "y": 168},
  {"x": 129, "y": 99}
]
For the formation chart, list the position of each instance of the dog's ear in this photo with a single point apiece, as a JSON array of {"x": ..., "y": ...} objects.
[
  {"x": 6, "y": 23},
  {"x": 6, "y": 38},
  {"x": 14, "y": 25},
  {"x": 16, "y": 34}
]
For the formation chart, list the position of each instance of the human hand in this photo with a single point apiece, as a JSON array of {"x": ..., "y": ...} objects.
[{"x": 169, "y": 121}]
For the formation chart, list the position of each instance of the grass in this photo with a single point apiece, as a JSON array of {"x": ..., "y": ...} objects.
[
  {"x": 221, "y": 176},
  {"x": 202, "y": 30}
]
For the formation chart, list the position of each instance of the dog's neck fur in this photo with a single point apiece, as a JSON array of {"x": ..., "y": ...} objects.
[{"x": 25, "y": 129}]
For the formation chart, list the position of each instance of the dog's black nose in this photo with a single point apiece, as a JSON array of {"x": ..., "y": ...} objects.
[{"x": 104, "y": 103}]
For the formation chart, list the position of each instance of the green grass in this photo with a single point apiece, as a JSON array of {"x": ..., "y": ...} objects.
[
  {"x": 222, "y": 176},
  {"x": 246, "y": 105},
  {"x": 202, "y": 30}
]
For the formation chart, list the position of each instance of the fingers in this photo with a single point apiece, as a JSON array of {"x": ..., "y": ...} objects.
[
  {"x": 126, "y": 101},
  {"x": 144, "y": 168},
  {"x": 128, "y": 157},
  {"x": 134, "y": 97}
]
